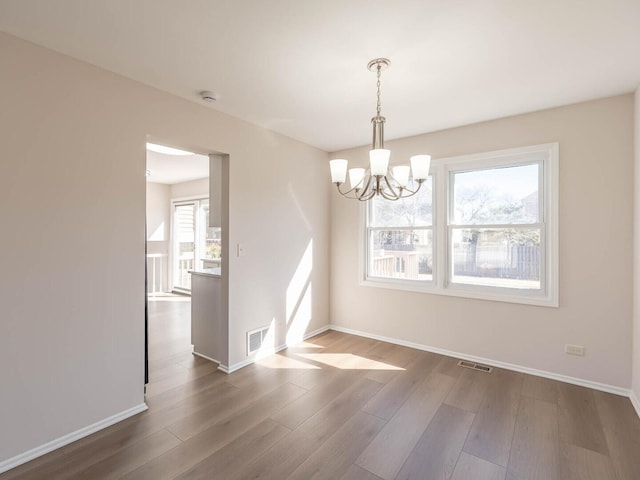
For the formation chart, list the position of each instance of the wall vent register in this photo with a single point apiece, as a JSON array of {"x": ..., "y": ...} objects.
[
  {"x": 255, "y": 339},
  {"x": 475, "y": 366}
]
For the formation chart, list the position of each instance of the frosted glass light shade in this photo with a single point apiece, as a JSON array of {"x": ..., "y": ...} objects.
[
  {"x": 379, "y": 161},
  {"x": 401, "y": 174},
  {"x": 356, "y": 175},
  {"x": 420, "y": 166},
  {"x": 338, "y": 170}
]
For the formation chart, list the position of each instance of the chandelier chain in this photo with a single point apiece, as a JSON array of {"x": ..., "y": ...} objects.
[{"x": 378, "y": 85}]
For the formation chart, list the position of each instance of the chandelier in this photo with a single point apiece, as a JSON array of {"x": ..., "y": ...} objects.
[{"x": 377, "y": 179}]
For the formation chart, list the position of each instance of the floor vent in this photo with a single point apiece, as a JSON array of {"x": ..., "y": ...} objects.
[
  {"x": 255, "y": 339},
  {"x": 475, "y": 366}
]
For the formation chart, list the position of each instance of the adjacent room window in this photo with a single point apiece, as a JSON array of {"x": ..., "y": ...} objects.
[
  {"x": 493, "y": 235},
  {"x": 196, "y": 246}
]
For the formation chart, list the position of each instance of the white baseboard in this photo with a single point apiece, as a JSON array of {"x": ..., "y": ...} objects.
[
  {"x": 635, "y": 402},
  {"x": 237, "y": 366},
  {"x": 494, "y": 363},
  {"x": 69, "y": 438},
  {"x": 205, "y": 357}
]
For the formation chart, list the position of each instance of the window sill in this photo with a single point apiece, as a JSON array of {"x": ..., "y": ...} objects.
[{"x": 466, "y": 291}]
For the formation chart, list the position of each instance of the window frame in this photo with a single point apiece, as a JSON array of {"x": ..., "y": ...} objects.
[{"x": 442, "y": 171}]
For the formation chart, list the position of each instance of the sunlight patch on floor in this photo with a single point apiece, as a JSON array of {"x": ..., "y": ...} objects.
[
  {"x": 280, "y": 361},
  {"x": 348, "y": 361},
  {"x": 302, "y": 345}
]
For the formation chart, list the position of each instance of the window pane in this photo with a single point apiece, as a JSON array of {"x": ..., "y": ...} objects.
[
  {"x": 506, "y": 257},
  {"x": 408, "y": 212},
  {"x": 406, "y": 254},
  {"x": 185, "y": 246},
  {"x": 496, "y": 195}
]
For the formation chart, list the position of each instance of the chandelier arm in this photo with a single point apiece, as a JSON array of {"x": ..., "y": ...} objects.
[
  {"x": 369, "y": 195},
  {"x": 367, "y": 185},
  {"x": 413, "y": 192},
  {"x": 394, "y": 194},
  {"x": 388, "y": 197},
  {"x": 351, "y": 193},
  {"x": 358, "y": 192}
]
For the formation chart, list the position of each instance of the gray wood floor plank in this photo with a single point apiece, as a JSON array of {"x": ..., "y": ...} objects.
[
  {"x": 469, "y": 390},
  {"x": 579, "y": 419},
  {"x": 492, "y": 430},
  {"x": 474, "y": 468},
  {"x": 577, "y": 463},
  {"x": 540, "y": 388},
  {"x": 535, "y": 449},
  {"x": 395, "y": 392},
  {"x": 622, "y": 432},
  {"x": 436, "y": 453},
  {"x": 223, "y": 463},
  {"x": 338, "y": 453},
  {"x": 356, "y": 472},
  {"x": 200, "y": 446},
  {"x": 390, "y": 448},
  {"x": 312, "y": 401},
  {"x": 129, "y": 459},
  {"x": 288, "y": 454}
]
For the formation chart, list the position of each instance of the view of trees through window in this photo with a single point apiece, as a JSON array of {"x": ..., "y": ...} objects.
[
  {"x": 400, "y": 236},
  {"x": 494, "y": 232}
]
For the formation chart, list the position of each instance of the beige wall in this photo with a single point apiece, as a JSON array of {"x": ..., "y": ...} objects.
[
  {"x": 72, "y": 203},
  {"x": 636, "y": 256},
  {"x": 596, "y": 226},
  {"x": 191, "y": 188},
  {"x": 158, "y": 217}
]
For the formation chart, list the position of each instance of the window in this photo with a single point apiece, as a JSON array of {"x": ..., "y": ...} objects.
[
  {"x": 400, "y": 237},
  {"x": 196, "y": 246},
  {"x": 492, "y": 236}
]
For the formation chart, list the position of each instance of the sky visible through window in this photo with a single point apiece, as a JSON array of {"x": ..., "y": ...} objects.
[{"x": 513, "y": 183}]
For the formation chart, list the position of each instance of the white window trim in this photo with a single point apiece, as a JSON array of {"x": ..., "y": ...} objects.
[{"x": 548, "y": 155}]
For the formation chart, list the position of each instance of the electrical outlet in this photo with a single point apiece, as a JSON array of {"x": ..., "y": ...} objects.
[{"x": 574, "y": 349}]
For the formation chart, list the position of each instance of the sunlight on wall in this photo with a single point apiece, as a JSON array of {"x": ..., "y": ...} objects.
[
  {"x": 268, "y": 346},
  {"x": 299, "y": 297},
  {"x": 158, "y": 234}
]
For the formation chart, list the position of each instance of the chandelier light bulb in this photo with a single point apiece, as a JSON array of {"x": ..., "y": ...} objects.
[
  {"x": 379, "y": 161},
  {"x": 420, "y": 166},
  {"x": 356, "y": 177},
  {"x": 338, "y": 170},
  {"x": 401, "y": 174}
]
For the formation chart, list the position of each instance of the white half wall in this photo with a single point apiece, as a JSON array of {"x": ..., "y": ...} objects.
[
  {"x": 635, "y": 387},
  {"x": 596, "y": 244},
  {"x": 72, "y": 203}
]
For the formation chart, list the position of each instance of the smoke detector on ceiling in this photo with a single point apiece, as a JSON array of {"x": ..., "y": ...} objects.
[{"x": 208, "y": 96}]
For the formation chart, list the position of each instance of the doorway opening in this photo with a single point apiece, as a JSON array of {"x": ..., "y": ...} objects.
[{"x": 179, "y": 241}]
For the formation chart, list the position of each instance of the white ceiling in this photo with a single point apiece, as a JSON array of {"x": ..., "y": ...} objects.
[
  {"x": 299, "y": 66},
  {"x": 171, "y": 169}
]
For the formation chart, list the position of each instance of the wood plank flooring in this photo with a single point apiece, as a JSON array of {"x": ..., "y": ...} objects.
[{"x": 344, "y": 407}]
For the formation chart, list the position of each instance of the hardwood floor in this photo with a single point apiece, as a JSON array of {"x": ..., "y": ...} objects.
[{"x": 350, "y": 408}]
